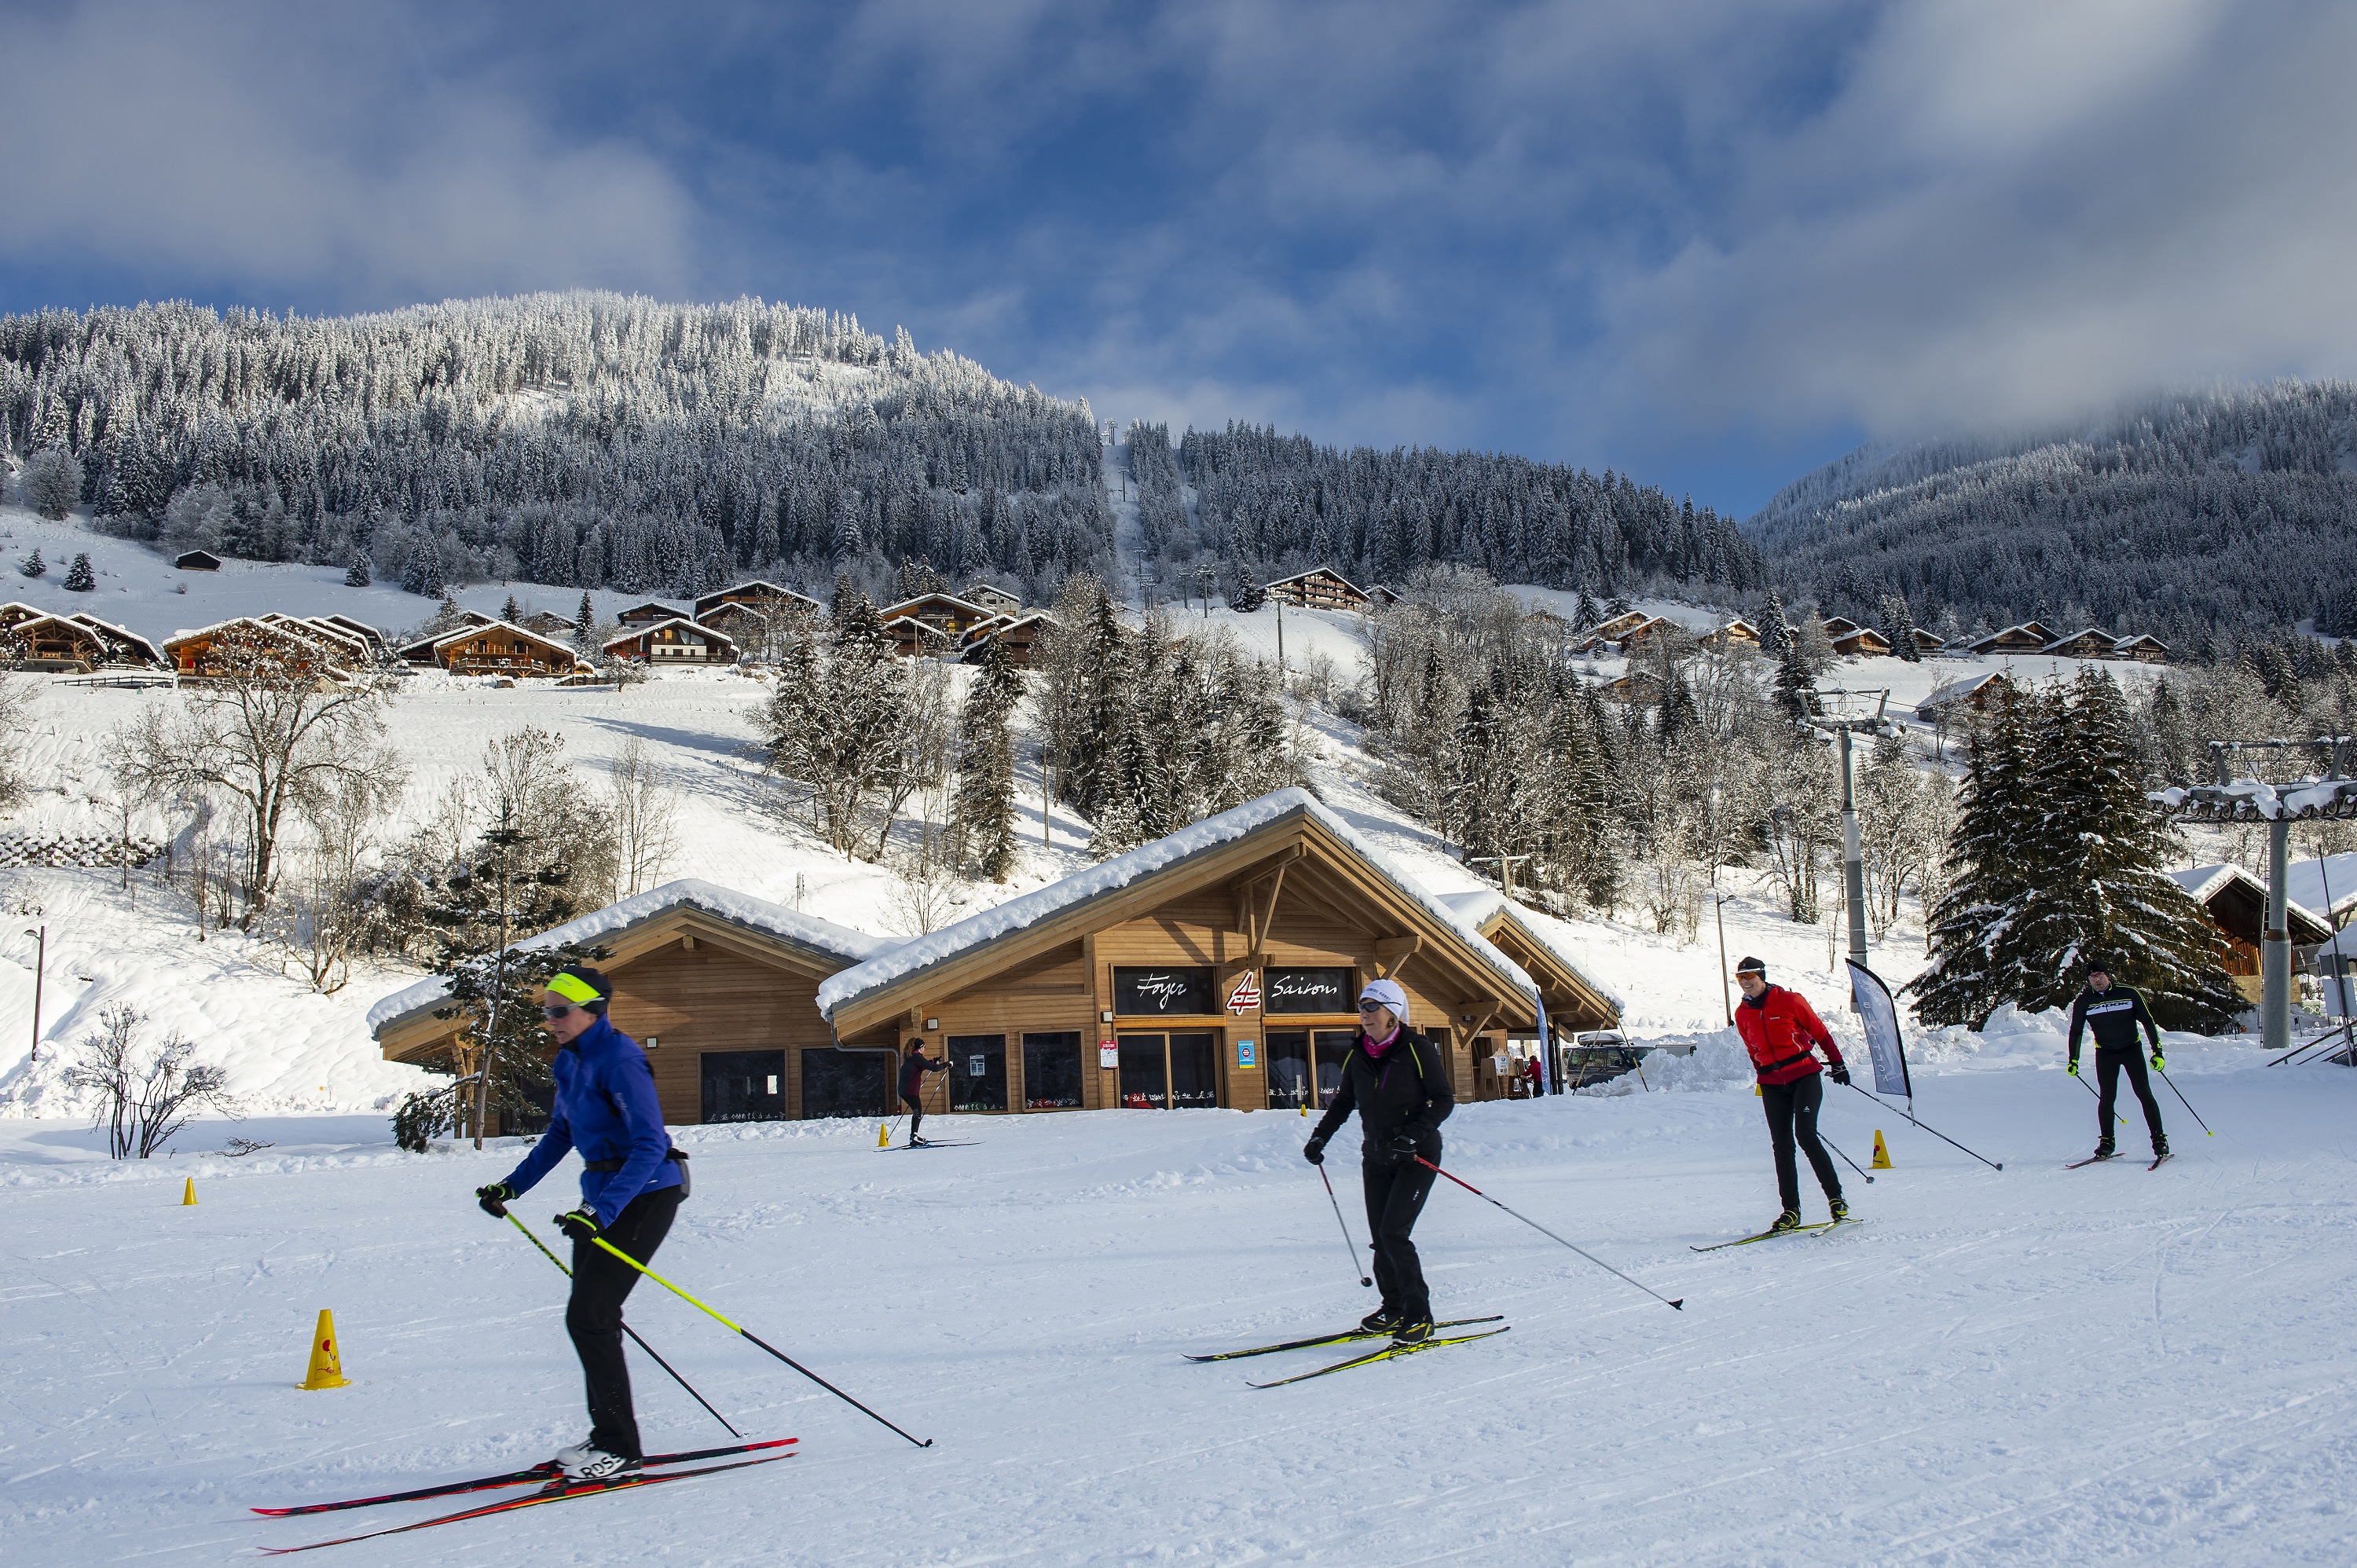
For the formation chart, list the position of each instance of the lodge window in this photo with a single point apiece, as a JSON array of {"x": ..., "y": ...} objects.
[
  {"x": 977, "y": 1072},
  {"x": 1051, "y": 1070},
  {"x": 1297, "y": 1058},
  {"x": 846, "y": 1082},
  {"x": 1307, "y": 991},
  {"x": 743, "y": 1086},
  {"x": 1184, "y": 992},
  {"x": 1167, "y": 1072}
]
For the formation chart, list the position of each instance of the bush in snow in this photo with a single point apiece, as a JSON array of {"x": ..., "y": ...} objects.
[
  {"x": 144, "y": 1097},
  {"x": 51, "y": 483},
  {"x": 33, "y": 566},
  {"x": 358, "y": 576}
]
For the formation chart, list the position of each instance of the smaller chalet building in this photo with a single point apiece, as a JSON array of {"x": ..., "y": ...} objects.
[
  {"x": 1838, "y": 627},
  {"x": 944, "y": 613},
  {"x": 2027, "y": 637},
  {"x": 914, "y": 638},
  {"x": 994, "y": 598},
  {"x": 1574, "y": 1002},
  {"x": 1737, "y": 633},
  {"x": 1862, "y": 642},
  {"x": 653, "y": 612},
  {"x": 675, "y": 641},
  {"x": 1621, "y": 625},
  {"x": 1320, "y": 588},
  {"x": 212, "y": 651},
  {"x": 124, "y": 646},
  {"x": 51, "y": 644},
  {"x": 2143, "y": 648},
  {"x": 2236, "y": 903},
  {"x": 1019, "y": 636},
  {"x": 2087, "y": 642},
  {"x": 196, "y": 561},
  {"x": 765, "y": 598},
  {"x": 1950, "y": 700}
]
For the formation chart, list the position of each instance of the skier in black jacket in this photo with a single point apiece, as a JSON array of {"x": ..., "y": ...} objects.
[
  {"x": 912, "y": 1084},
  {"x": 1399, "y": 1086},
  {"x": 2114, "y": 1013}
]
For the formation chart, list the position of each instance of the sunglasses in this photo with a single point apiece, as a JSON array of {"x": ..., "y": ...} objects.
[
  {"x": 1373, "y": 1006},
  {"x": 554, "y": 1010}
]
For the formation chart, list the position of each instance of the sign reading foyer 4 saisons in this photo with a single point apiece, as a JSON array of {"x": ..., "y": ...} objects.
[{"x": 789, "y": 1016}]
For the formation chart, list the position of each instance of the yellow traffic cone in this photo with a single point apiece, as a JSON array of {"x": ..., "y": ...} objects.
[
  {"x": 884, "y": 1135},
  {"x": 188, "y": 1194},
  {"x": 1305, "y": 1110},
  {"x": 327, "y": 1367},
  {"x": 1881, "y": 1154}
]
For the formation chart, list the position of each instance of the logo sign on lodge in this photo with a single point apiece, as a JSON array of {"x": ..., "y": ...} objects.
[{"x": 1246, "y": 997}]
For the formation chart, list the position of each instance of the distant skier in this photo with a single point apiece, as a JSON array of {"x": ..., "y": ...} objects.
[
  {"x": 631, "y": 1185},
  {"x": 2114, "y": 1012},
  {"x": 1778, "y": 1027},
  {"x": 1400, "y": 1088},
  {"x": 912, "y": 1085}
]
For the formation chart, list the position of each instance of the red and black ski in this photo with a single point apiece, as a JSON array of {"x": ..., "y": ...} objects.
[
  {"x": 2157, "y": 1162},
  {"x": 540, "y": 1472},
  {"x": 2089, "y": 1160},
  {"x": 554, "y": 1492}
]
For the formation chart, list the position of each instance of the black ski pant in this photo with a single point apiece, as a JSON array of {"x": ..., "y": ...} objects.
[
  {"x": 1793, "y": 1118},
  {"x": 915, "y": 1104},
  {"x": 1395, "y": 1194},
  {"x": 594, "y": 1315},
  {"x": 2109, "y": 1060}
]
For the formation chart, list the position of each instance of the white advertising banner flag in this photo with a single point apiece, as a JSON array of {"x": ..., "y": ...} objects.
[{"x": 1878, "y": 1015}]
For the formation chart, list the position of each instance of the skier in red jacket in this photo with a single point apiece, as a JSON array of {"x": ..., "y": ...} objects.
[{"x": 1778, "y": 1027}]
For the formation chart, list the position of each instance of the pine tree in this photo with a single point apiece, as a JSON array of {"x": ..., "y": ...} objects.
[
  {"x": 422, "y": 573},
  {"x": 1899, "y": 629},
  {"x": 2100, "y": 886},
  {"x": 984, "y": 803},
  {"x": 357, "y": 575},
  {"x": 1586, "y": 614},
  {"x": 585, "y": 624},
  {"x": 33, "y": 566},
  {"x": 1775, "y": 627},
  {"x": 511, "y": 612},
  {"x": 1988, "y": 873},
  {"x": 1795, "y": 681},
  {"x": 79, "y": 579}
]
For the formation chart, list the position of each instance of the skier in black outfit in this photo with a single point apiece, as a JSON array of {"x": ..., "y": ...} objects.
[
  {"x": 1399, "y": 1086},
  {"x": 2114, "y": 1013},
  {"x": 912, "y": 1084}
]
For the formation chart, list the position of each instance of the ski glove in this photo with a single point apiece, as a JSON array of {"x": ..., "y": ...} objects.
[
  {"x": 2157, "y": 1064},
  {"x": 494, "y": 1199},
  {"x": 2073, "y": 1068},
  {"x": 581, "y": 1224},
  {"x": 1314, "y": 1151},
  {"x": 1406, "y": 1144},
  {"x": 1840, "y": 1073}
]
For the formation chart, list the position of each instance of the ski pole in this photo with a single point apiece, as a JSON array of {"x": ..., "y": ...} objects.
[
  {"x": 1853, "y": 1164},
  {"x": 755, "y": 1338},
  {"x": 1680, "y": 1303},
  {"x": 1992, "y": 1165},
  {"x": 633, "y": 1333},
  {"x": 2099, "y": 1100},
  {"x": 2186, "y": 1103},
  {"x": 1348, "y": 1245}
]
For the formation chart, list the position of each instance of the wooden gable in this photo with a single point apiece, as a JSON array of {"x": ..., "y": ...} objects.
[
  {"x": 1619, "y": 626},
  {"x": 124, "y": 646},
  {"x": 1322, "y": 588},
  {"x": 501, "y": 648},
  {"x": 992, "y": 597},
  {"x": 1020, "y": 638},
  {"x": 51, "y": 643},
  {"x": 653, "y": 612},
  {"x": 767, "y": 597},
  {"x": 2090, "y": 643},
  {"x": 944, "y": 613},
  {"x": 1864, "y": 642},
  {"x": 1572, "y": 1003},
  {"x": 914, "y": 638},
  {"x": 200, "y": 655},
  {"x": 675, "y": 641}
]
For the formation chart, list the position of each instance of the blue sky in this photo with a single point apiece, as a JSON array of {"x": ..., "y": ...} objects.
[{"x": 1712, "y": 242}]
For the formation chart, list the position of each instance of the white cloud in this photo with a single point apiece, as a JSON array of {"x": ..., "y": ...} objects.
[{"x": 297, "y": 144}]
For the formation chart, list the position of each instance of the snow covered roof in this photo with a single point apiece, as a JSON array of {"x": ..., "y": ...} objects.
[
  {"x": 638, "y": 633},
  {"x": 1957, "y": 689},
  {"x": 756, "y": 589},
  {"x": 2203, "y": 882},
  {"x": 1316, "y": 572},
  {"x": 720, "y": 903},
  {"x": 1476, "y": 908},
  {"x": 467, "y": 631},
  {"x": 907, "y": 608},
  {"x": 2096, "y": 634},
  {"x": 1122, "y": 870},
  {"x": 2310, "y": 882}
]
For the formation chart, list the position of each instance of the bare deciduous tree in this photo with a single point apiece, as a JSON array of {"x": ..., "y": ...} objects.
[
  {"x": 265, "y": 727},
  {"x": 645, "y": 810},
  {"x": 145, "y": 1097}
]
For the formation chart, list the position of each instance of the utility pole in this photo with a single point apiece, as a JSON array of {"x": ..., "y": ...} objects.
[{"x": 1840, "y": 725}]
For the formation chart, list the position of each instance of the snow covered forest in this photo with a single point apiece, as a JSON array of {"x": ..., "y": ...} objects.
[
  {"x": 1265, "y": 506},
  {"x": 2189, "y": 517}
]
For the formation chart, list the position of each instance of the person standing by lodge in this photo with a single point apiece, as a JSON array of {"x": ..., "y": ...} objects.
[
  {"x": 2114, "y": 1013},
  {"x": 631, "y": 1186},
  {"x": 1779, "y": 1027},
  {"x": 912, "y": 1085},
  {"x": 1399, "y": 1088}
]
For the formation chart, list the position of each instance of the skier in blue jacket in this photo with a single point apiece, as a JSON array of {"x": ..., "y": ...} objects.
[{"x": 631, "y": 1185}]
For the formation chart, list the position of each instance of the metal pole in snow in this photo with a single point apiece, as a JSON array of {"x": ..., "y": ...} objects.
[{"x": 2274, "y": 945}]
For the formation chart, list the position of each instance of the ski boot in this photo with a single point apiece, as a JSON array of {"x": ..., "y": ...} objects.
[
  {"x": 1413, "y": 1332},
  {"x": 2159, "y": 1150},
  {"x": 584, "y": 1461},
  {"x": 1383, "y": 1320},
  {"x": 2104, "y": 1150},
  {"x": 1840, "y": 1209},
  {"x": 1788, "y": 1220}
]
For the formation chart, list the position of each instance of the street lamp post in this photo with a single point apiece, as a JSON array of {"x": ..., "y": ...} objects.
[{"x": 40, "y": 964}]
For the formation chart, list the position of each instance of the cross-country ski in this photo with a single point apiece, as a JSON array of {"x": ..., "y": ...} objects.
[
  {"x": 1342, "y": 1337},
  {"x": 526, "y": 1477},
  {"x": 1390, "y": 1352}
]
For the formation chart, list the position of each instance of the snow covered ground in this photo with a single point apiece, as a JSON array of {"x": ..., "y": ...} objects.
[{"x": 2031, "y": 1367}]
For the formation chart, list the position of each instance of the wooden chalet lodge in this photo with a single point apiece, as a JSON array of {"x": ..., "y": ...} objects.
[
  {"x": 496, "y": 648},
  {"x": 33, "y": 638},
  {"x": 653, "y": 612},
  {"x": 199, "y": 655},
  {"x": 674, "y": 641},
  {"x": 1220, "y": 966},
  {"x": 1320, "y": 588},
  {"x": 1018, "y": 634},
  {"x": 2236, "y": 903}
]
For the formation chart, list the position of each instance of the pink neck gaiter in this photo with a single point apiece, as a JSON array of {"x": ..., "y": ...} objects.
[{"x": 1375, "y": 1048}]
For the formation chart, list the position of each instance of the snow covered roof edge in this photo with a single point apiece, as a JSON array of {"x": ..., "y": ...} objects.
[
  {"x": 1016, "y": 913},
  {"x": 721, "y": 903},
  {"x": 1479, "y": 904},
  {"x": 2201, "y": 882}
]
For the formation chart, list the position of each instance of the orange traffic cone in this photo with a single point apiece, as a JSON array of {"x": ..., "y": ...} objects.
[
  {"x": 1881, "y": 1154},
  {"x": 188, "y": 1194},
  {"x": 327, "y": 1367}
]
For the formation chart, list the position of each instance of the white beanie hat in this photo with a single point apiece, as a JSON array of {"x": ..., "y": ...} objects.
[{"x": 1389, "y": 994}]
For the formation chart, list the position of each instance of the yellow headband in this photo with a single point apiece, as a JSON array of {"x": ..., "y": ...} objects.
[{"x": 574, "y": 988}]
